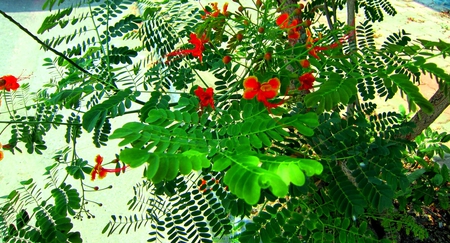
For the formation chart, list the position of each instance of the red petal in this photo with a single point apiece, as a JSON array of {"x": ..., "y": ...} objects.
[
  {"x": 264, "y": 95},
  {"x": 98, "y": 159},
  {"x": 294, "y": 35},
  {"x": 274, "y": 83},
  {"x": 225, "y": 8},
  {"x": 102, "y": 173},
  {"x": 249, "y": 94},
  {"x": 199, "y": 92},
  {"x": 210, "y": 92},
  {"x": 251, "y": 83},
  {"x": 282, "y": 20}
]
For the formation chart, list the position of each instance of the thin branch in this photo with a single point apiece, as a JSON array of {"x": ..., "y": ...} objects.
[{"x": 43, "y": 44}]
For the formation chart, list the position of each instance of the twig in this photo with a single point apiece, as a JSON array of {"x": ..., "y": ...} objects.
[{"x": 43, "y": 44}]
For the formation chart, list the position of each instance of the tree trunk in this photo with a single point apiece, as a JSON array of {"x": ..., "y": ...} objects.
[{"x": 422, "y": 120}]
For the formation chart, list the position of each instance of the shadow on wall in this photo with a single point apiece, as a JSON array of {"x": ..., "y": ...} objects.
[
  {"x": 34, "y": 5},
  {"x": 438, "y": 5}
]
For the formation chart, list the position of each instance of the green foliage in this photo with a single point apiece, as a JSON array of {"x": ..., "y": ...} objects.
[
  {"x": 51, "y": 221},
  {"x": 291, "y": 167},
  {"x": 190, "y": 213}
]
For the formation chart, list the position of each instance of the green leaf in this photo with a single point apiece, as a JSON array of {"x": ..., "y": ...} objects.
[
  {"x": 296, "y": 175},
  {"x": 251, "y": 189},
  {"x": 403, "y": 82},
  {"x": 311, "y": 167},
  {"x": 332, "y": 92},
  {"x": 153, "y": 166},
  {"x": 272, "y": 181},
  {"x": 134, "y": 157},
  {"x": 415, "y": 175},
  {"x": 127, "y": 129},
  {"x": 221, "y": 164}
]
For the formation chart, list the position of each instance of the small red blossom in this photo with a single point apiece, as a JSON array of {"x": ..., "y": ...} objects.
[
  {"x": 100, "y": 171},
  {"x": 304, "y": 63},
  {"x": 9, "y": 83},
  {"x": 206, "y": 97},
  {"x": 314, "y": 49},
  {"x": 306, "y": 81},
  {"x": 197, "y": 51},
  {"x": 293, "y": 28},
  {"x": 263, "y": 92}
]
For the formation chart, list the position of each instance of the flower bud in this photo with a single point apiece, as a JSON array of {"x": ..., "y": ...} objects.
[
  {"x": 226, "y": 59},
  {"x": 268, "y": 56},
  {"x": 308, "y": 23},
  {"x": 258, "y": 3},
  {"x": 261, "y": 30},
  {"x": 239, "y": 36}
]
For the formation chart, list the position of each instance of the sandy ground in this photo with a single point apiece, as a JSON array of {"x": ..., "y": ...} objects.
[{"x": 21, "y": 55}]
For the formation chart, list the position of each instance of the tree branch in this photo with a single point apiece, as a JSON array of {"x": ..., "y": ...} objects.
[{"x": 44, "y": 44}]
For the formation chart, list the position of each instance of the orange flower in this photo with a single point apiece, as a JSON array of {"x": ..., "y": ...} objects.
[
  {"x": 206, "y": 97},
  {"x": 306, "y": 81},
  {"x": 198, "y": 49},
  {"x": 216, "y": 10},
  {"x": 314, "y": 49},
  {"x": 263, "y": 92},
  {"x": 293, "y": 30},
  {"x": 100, "y": 171},
  {"x": 9, "y": 83}
]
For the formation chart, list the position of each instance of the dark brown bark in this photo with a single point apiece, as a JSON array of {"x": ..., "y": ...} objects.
[{"x": 422, "y": 120}]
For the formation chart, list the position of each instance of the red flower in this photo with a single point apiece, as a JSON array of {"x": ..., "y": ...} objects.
[
  {"x": 263, "y": 92},
  {"x": 100, "y": 171},
  {"x": 293, "y": 30},
  {"x": 314, "y": 49},
  {"x": 306, "y": 81},
  {"x": 304, "y": 63},
  {"x": 198, "y": 49},
  {"x": 9, "y": 83},
  {"x": 206, "y": 97}
]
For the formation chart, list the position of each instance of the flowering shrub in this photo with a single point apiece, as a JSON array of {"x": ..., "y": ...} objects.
[{"x": 268, "y": 132}]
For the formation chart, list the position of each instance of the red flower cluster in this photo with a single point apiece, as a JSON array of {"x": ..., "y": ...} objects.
[
  {"x": 198, "y": 49},
  {"x": 216, "y": 12},
  {"x": 9, "y": 83},
  {"x": 293, "y": 28},
  {"x": 306, "y": 81},
  {"x": 206, "y": 97},
  {"x": 263, "y": 92},
  {"x": 100, "y": 171}
]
